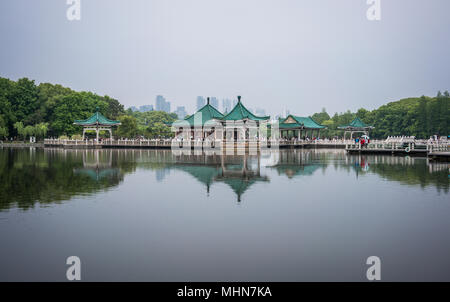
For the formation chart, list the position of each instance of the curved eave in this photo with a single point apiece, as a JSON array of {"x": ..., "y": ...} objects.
[
  {"x": 355, "y": 128},
  {"x": 256, "y": 118},
  {"x": 96, "y": 124}
]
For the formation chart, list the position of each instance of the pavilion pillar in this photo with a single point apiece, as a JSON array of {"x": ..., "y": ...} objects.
[
  {"x": 84, "y": 131},
  {"x": 97, "y": 132}
]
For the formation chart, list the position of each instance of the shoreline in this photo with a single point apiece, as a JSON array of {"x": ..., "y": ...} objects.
[{"x": 22, "y": 145}]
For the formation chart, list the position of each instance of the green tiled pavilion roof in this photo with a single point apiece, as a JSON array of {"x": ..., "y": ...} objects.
[
  {"x": 97, "y": 119},
  {"x": 306, "y": 122},
  {"x": 203, "y": 174},
  {"x": 289, "y": 126},
  {"x": 208, "y": 113},
  {"x": 356, "y": 123},
  {"x": 240, "y": 184},
  {"x": 239, "y": 112}
]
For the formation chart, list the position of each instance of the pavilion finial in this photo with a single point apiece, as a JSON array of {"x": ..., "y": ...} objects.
[
  {"x": 239, "y": 98},
  {"x": 97, "y": 109},
  {"x": 207, "y": 100}
]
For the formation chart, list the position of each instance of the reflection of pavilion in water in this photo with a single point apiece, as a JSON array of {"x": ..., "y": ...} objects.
[
  {"x": 239, "y": 172},
  {"x": 97, "y": 164}
]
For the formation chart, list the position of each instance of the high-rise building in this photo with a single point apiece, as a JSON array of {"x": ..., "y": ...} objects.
[
  {"x": 213, "y": 101},
  {"x": 167, "y": 107},
  {"x": 162, "y": 104},
  {"x": 181, "y": 112},
  {"x": 134, "y": 109},
  {"x": 200, "y": 102},
  {"x": 226, "y": 105}
]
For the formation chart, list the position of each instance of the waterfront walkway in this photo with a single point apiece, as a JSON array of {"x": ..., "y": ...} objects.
[
  {"x": 169, "y": 143},
  {"x": 435, "y": 150}
]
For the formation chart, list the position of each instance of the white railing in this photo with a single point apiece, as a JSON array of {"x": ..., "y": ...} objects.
[
  {"x": 440, "y": 147},
  {"x": 109, "y": 142},
  {"x": 387, "y": 145},
  {"x": 400, "y": 146}
]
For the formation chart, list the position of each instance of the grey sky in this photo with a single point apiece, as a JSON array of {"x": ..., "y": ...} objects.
[{"x": 300, "y": 55}]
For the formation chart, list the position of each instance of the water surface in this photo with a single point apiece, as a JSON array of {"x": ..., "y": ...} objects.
[{"x": 294, "y": 215}]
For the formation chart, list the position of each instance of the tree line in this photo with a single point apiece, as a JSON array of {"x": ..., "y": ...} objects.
[
  {"x": 48, "y": 110},
  {"x": 421, "y": 117}
]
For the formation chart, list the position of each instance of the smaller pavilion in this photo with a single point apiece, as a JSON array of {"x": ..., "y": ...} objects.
[
  {"x": 298, "y": 126},
  {"x": 356, "y": 126},
  {"x": 97, "y": 122}
]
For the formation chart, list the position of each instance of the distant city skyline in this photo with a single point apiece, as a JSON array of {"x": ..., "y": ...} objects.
[
  {"x": 161, "y": 104},
  {"x": 181, "y": 112},
  {"x": 201, "y": 101}
]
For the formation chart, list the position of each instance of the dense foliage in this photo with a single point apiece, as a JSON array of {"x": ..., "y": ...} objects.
[
  {"x": 420, "y": 117},
  {"x": 27, "y": 109},
  {"x": 154, "y": 123},
  {"x": 47, "y": 109}
]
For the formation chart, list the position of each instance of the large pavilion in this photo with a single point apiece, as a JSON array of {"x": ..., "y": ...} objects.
[
  {"x": 240, "y": 123},
  {"x": 97, "y": 122},
  {"x": 237, "y": 124},
  {"x": 297, "y": 126},
  {"x": 356, "y": 126}
]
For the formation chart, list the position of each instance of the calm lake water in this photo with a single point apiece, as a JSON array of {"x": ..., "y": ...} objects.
[{"x": 294, "y": 215}]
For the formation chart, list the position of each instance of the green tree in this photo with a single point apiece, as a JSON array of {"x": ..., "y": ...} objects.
[
  {"x": 24, "y": 100},
  {"x": 128, "y": 127},
  {"x": 29, "y": 131},
  {"x": 3, "y": 132},
  {"x": 422, "y": 128},
  {"x": 361, "y": 113},
  {"x": 41, "y": 130},
  {"x": 114, "y": 108},
  {"x": 20, "y": 129},
  {"x": 321, "y": 117},
  {"x": 154, "y": 124}
]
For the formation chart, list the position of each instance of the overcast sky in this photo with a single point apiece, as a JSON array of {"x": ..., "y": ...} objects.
[{"x": 300, "y": 55}]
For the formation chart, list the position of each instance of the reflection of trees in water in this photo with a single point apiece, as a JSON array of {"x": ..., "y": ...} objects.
[
  {"x": 407, "y": 170},
  {"x": 30, "y": 176}
]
